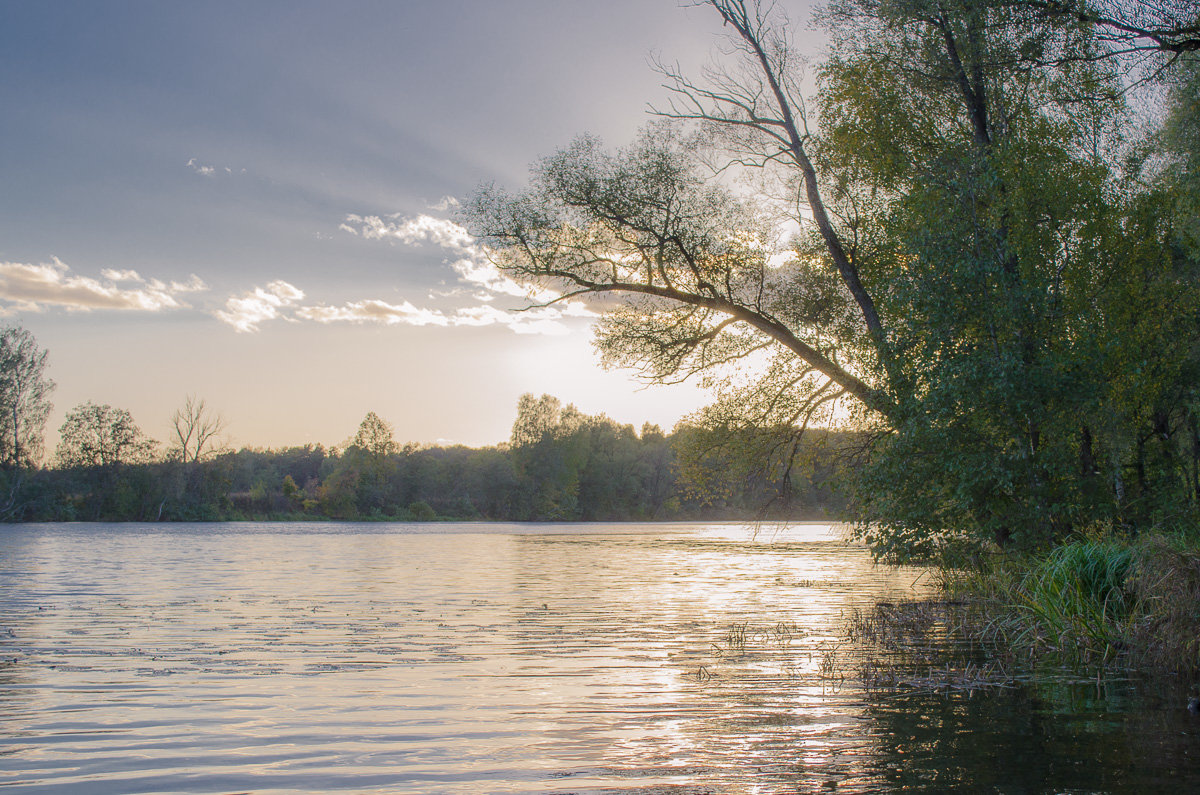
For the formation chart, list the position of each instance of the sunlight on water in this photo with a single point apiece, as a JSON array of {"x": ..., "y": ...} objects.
[{"x": 445, "y": 658}]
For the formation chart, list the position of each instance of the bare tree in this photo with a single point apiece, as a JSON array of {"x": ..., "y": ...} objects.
[
  {"x": 197, "y": 431},
  {"x": 693, "y": 259}
]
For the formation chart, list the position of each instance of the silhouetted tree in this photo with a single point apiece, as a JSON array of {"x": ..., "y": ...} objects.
[
  {"x": 101, "y": 436},
  {"x": 197, "y": 431},
  {"x": 24, "y": 398}
]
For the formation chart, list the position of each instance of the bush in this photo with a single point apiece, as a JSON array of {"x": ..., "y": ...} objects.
[{"x": 422, "y": 512}]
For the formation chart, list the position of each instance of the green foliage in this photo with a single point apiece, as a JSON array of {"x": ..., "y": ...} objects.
[
  {"x": 1078, "y": 595},
  {"x": 580, "y": 468},
  {"x": 101, "y": 436},
  {"x": 1045, "y": 345},
  {"x": 422, "y": 511},
  {"x": 24, "y": 398},
  {"x": 374, "y": 437},
  {"x": 1093, "y": 601}
]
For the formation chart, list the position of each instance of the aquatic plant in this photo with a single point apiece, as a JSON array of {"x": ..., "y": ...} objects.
[
  {"x": 1098, "y": 600},
  {"x": 1167, "y": 587},
  {"x": 1079, "y": 601}
]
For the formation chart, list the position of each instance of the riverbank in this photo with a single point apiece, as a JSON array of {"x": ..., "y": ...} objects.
[{"x": 1100, "y": 601}]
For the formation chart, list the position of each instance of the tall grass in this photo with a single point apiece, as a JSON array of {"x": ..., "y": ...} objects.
[
  {"x": 1096, "y": 600},
  {"x": 1167, "y": 586}
]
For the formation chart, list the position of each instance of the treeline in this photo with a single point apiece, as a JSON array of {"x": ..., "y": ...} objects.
[{"x": 560, "y": 465}]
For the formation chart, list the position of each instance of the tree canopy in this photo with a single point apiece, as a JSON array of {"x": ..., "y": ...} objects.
[
  {"x": 101, "y": 436},
  {"x": 24, "y": 398},
  {"x": 992, "y": 262}
]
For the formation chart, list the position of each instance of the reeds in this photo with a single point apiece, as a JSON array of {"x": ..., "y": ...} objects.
[
  {"x": 920, "y": 645},
  {"x": 1167, "y": 587},
  {"x": 1094, "y": 601},
  {"x": 1078, "y": 601}
]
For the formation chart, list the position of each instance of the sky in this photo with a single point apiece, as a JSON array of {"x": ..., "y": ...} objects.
[{"x": 255, "y": 204}]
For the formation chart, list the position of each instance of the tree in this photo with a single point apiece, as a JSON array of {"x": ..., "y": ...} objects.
[
  {"x": 976, "y": 269},
  {"x": 367, "y": 467},
  {"x": 375, "y": 437},
  {"x": 24, "y": 398},
  {"x": 101, "y": 436},
  {"x": 546, "y": 457},
  {"x": 1138, "y": 28},
  {"x": 197, "y": 431}
]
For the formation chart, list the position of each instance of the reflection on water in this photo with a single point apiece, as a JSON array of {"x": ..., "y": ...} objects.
[{"x": 506, "y": 658}]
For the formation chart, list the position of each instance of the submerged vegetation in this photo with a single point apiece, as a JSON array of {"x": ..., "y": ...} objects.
[{"x": 1099, "y": 603}]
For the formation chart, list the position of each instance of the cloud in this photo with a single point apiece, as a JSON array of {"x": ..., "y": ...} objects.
[
  {"x": 444, "y": 204},
  {"x": 472, "y": 266},
  {"x": 32, "y": 288},
  {"x": 210, "y": 171},
  {"x": 245, "y": 312},
  {"x": 374, "y": 311},
  {"x": 281, "y": 300},
  {"x": 202, "y": 170},
  {"x": 120, "y": 276},
  {"x": 411, "y": 231},
  {"x": 479, "y": 272},
  {"x": 541, "y": 320}
]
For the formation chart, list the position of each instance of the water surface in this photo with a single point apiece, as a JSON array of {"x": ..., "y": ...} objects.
[{"x": 509, "y": 658}]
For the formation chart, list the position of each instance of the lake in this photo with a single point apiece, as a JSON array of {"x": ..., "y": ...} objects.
[{"x": 468, "y": 658}]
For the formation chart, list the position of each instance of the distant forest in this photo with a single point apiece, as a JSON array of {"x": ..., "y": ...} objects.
[{"x": 560, "y": 465}]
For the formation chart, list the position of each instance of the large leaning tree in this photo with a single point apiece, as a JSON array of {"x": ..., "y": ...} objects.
[{"x": 996, "y": 265}]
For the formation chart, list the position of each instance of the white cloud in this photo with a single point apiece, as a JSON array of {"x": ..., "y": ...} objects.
[
  {"x": 472, "y": 266},
  {"x": 480, "y": 272},
  {"x": 411, "y": 231},
  {"x": 32, "y": 288},
  {"x": 444, "y": 204},
  {"x": 261, "y": 304},
  {"x": 539, "y": 320},
  {"x": 281, "y": 300},
  {"x": 374, "y": 311},
  {"x": 210, "y": 171},
  {"x": 121, "y": 276},
  {"x": 199, "y": 168}
]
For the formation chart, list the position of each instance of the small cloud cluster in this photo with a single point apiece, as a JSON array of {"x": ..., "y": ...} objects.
[
  {"x": 444, "y": 204},
  {"x": 199, "y": 168},
  {"x": 411, "y": 231},
  {"x": 281, "y": 300},
  {"x": 472, "y": 266},
  {"x": 208, "y": 171},
  {"x": 374, "y": 311},
  {"x": 32, "y": 288},
  {"x": 245, "y": 312}
]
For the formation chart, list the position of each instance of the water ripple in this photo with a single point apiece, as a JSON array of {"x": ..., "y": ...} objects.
[{"x": 449, "y": 658}]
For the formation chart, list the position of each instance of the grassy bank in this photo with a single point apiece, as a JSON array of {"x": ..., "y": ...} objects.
[{"x": 1098, "y": 600}]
